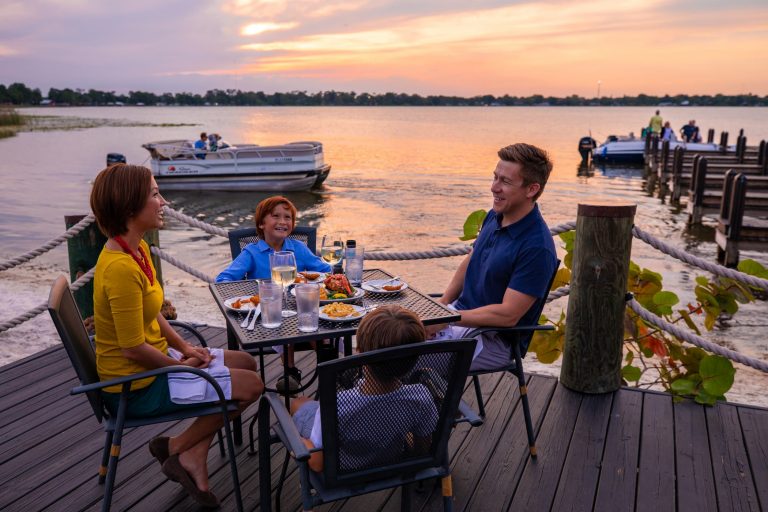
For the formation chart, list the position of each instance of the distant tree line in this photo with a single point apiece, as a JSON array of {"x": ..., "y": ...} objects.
[{"x": 20, "y": 94}]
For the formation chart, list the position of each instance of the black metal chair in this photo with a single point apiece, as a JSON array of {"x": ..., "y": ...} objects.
[
  {"x": 68, "y": 321},
  {"x": 518, "y": 338},
  {"x": 239, "y": 238},
  {"x": 411, "y": 436}
]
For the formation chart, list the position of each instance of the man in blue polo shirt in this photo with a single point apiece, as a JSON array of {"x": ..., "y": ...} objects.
[{"x": 512, "y": 259}]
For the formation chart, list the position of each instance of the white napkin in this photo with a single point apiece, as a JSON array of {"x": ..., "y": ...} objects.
[{"x": 186, "y": 388}]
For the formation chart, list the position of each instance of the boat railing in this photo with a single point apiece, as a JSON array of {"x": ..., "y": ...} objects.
[{"x": 178, "y": 150}]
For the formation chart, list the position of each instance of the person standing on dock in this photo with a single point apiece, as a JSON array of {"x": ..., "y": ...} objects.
[
  {"x": 132, "y": 336},
  {"x": 655, "y": 124},
  {"x": 511, "y": 262}
]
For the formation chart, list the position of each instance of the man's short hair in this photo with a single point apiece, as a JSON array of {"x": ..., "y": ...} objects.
[
  {"x": 534, "y": 162},
  {"x": 119, "y": 192}
]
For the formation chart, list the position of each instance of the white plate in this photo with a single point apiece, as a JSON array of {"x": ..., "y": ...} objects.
[
  {"x": 319, "y": 279},
  {"x": 358, "y": 309},
  {"x": 248, "y": 307},
  {"x": 369, "y": 286},
  {"x": 358, "y": 293}
]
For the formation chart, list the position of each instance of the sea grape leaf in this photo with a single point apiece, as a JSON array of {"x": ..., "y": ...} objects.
[
  {"x": 684, "y": 386},
  {"x": 569, "y": 238},
  {"x": 630, "y": 373},
  {"x": 650, "y": 276},
  {"x": 686, "y": 316},
  {"x": 717, "y": 374},
  {"x": 704, "y": 398},
  {"x": 753, "y": 268},
  {"x": 562, "y": 278},
  {"x": 702, "y": 281},
  {"x": 473, "y": 224},
  {"x": 664, "y": 301}
]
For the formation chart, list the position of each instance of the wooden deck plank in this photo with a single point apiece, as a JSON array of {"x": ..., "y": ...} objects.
[
  {"x": 754, "y": 426},
  {"x": 541, "y": 475},
  {"x": 695, "y": 481},
  {"x": 618, "y": 475},
  {"x": 733, "y": 476},
  {"x": 578, "y": 481},
  {"x": 656, "y": 488}
]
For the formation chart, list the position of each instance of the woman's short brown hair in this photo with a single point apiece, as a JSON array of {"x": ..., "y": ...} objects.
[
  {"x": 119, "y": 192},
  {"x": 267, "y": 206}
]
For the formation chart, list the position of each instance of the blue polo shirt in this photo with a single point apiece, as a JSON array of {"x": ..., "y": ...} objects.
[
  {"x": 520, "y": 256},
  {"x": 253, "y": 261}
]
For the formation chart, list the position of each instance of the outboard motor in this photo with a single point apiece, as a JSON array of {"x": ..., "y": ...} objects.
[
  {"x": 115, "y": 158},
  {"x": 586, "y": 145}
]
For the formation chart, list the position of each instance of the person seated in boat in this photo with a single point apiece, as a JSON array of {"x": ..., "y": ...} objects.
[
  {"x": 213, "y": 142},
  {"x": 132, "y": 336},
  {"x": 275, "y": 218},
  {"x": 507, "y": 272},
  {"x": 200, "y": 144},
  {"x": 667, "y": 133},
  {"x": 413, "y": 411},
  {"x": 690, "y": 132}
]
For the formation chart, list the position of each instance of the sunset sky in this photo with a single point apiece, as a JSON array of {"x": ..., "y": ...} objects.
[{"x": 453, "y": 47}]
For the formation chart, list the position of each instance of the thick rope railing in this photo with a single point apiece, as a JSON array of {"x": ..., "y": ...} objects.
[
  {"x": 32, "y": 313},
  {"x": 208, "y": 228},
  {"x": 698, "y": 262},
  {"x": 74, "y": 230},
  {"x": 180, "y": 264},
  {"x": 696, "y": 340}
]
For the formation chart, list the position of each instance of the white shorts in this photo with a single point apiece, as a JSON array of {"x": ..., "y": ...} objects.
[{"x": 186, "y": 388}]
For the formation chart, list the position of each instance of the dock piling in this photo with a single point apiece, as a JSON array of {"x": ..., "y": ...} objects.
[{"x": 595, "y": 334}]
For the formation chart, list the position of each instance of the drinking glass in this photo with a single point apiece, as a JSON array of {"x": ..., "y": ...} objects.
[
  {"x": 271, "y": 301},
  {"x": 283, "y": 266},
  {"x": 331, "y": 249},
  {"x": 308, "y": 306},
  {"x": 354, "y": 265}
]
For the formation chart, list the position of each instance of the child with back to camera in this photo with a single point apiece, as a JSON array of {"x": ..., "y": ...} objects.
[{"x": 413, "y": 414}]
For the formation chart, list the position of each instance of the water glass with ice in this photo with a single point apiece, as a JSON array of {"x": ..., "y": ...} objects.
[
  {"x": 308, "y": 306},
  {"x": 354, "y": 265},
  {"x": 271, "y": 301}
]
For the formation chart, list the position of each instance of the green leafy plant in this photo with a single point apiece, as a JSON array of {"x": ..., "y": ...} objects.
[{"x": 653, "y": 356}]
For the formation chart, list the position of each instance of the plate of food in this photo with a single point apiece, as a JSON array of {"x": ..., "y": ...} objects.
[
  {"x": 244, "y": 303},
  {"x": 308, "y": 276},
  {"x": 384, "y": 286},
  {"x": 340, "y": 312},
  {"x": 336, "y": 288}
]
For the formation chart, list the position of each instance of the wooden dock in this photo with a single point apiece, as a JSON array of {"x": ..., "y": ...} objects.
[{"x": 630, "y": 450}]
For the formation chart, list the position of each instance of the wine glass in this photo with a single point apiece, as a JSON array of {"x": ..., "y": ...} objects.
[
  {"x": 331, "y": 249},
  {"x": 283, "y": 266}
]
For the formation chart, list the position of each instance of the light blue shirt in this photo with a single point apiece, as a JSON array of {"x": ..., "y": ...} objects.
[{"x": 253, "y": 261}]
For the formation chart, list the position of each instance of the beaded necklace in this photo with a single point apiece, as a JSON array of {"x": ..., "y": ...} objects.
[{"x": 143, "y": 262}]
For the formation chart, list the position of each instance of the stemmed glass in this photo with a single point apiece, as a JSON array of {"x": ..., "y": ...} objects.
[
  {"x": 331, "y": 249},
  {"x": 283, "y": 265}
]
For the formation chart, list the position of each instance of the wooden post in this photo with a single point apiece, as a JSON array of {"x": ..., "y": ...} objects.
[
  {"x": 594, "y": 337},
  {"x": 711, "y": 136},
  {"x": 83, "y": 250}
]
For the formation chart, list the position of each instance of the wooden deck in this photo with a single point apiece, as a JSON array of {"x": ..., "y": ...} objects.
[{"x": 630, "y": 450}]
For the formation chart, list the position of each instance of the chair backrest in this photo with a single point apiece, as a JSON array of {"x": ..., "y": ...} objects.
[
  {"x": 69, "y": 324},
  {"x": 239, "y": 238},
  {"x": 389, "y": 412},
  {"x": 538, "y": 307}
]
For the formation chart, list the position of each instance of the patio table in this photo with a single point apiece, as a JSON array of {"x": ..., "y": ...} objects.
[{"x": 428, "y": 309}]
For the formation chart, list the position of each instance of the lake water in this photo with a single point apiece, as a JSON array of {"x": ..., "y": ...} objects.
[{"x": 402, "y": 179}]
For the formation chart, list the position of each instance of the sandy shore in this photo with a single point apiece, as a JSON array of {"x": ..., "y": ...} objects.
[{"x": 27, "y": 286}]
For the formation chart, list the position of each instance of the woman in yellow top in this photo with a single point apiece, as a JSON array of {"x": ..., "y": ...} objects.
[{"x": 132, "y": 336}]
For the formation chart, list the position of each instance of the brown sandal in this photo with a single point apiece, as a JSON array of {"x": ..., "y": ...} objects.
[
  {"x": 173, "y": 469},
  {"x": 159, "y": 447}
]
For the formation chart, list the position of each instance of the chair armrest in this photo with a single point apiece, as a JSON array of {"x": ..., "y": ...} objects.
[
  {"x": 192, "y": 329},
  {"x": 467, "y": 415},
  {"x": 516, "y": 328},
  {"x": 284, "y": 419},
  {"x": 150, "y": 373}
]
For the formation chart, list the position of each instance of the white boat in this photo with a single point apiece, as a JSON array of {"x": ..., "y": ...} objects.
[
  {"x": 623, "y": 150},
  {"x": 177, "y": 165}
]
